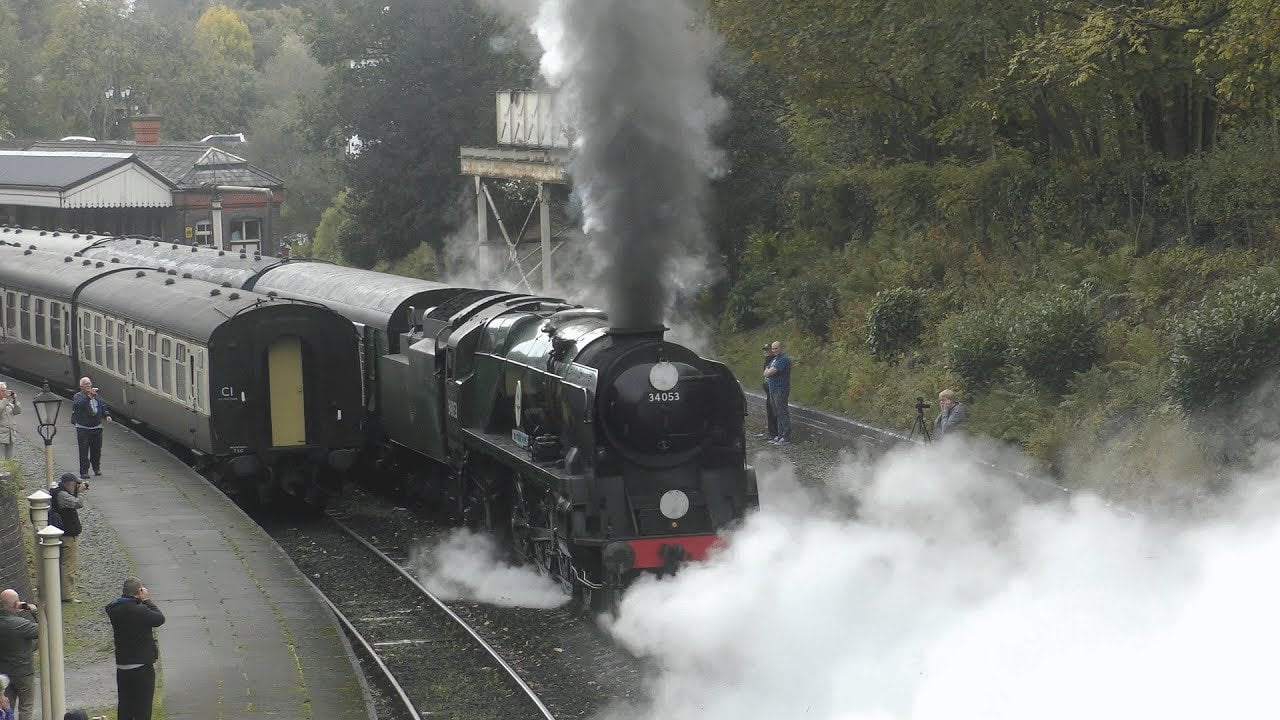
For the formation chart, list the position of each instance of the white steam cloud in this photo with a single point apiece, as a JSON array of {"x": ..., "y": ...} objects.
[
  {"x": 469, "y": 566},
  {"x": 950, "y": 597}
]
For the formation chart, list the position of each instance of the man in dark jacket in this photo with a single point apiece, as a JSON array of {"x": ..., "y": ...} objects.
[
  {"x": 771, "y": 418},
  {"x": 17, "y": 633},
  {"x": 68, "y": 502},
  {"x": 777, "y": 378},
  {"x": 88, "y": 412},
  {"x": 133, "y": 619}
]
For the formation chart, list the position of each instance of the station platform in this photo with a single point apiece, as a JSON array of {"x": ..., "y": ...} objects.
[{"x": 245, "y": 634}]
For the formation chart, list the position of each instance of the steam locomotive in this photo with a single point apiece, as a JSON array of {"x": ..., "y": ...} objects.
[{"x": 596, "y": 452}]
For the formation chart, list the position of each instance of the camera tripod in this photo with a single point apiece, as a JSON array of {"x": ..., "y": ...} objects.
[{"x": 921, "y": 426}]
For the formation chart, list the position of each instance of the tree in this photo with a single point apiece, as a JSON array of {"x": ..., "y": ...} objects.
[
  {"x": 226, "y": 34},
  {"x": 276, "y": 140},
  {"x": 195, "y": 87},
  {"x": 90, "y": 58},
  {"x": 412, "y": 81},
  {"x": 270, "y": 28}
]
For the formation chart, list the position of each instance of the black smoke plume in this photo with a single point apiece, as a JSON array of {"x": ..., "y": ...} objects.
[{"x": 633, "y": 77}]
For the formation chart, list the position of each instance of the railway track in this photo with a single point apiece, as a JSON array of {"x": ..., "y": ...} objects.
[
  {"x": 436, "y": 664},
  {"x": 840, "y": 432}
]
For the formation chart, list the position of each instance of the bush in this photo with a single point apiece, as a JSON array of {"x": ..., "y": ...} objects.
[
  {"x": 814, "y": 302},
  {"x": 1055, "y": 336},
  {"x": 895, "y": 323},
  {"x": 745, "y": 308},
  {"x": 976, "y": 347},
  {"x": 1226, "y": 346},
  {"x": 355, "y": 245}
]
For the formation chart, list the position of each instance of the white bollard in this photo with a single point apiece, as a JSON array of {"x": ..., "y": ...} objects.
[
  {"x": 51, "y": 552},
  {"x": 38, "y": 502}
]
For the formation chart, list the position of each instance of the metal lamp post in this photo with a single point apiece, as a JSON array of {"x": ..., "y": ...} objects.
[
  {"x": 38, "y": 502},
  {"x": 48, "y": 406}
]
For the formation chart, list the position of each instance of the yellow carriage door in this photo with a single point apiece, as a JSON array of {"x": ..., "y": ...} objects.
[{"x": 284, "y": 368}]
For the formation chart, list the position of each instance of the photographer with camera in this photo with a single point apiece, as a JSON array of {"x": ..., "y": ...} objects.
[
  {"x": 65, "y": 514},
  {"x": 17, "y": 634},
  {"x": 950, "y": 414},
  {"x": 133, "y": 621},
  {"x": 8, "y": 408},
  {"x": 88, "y": 412}
]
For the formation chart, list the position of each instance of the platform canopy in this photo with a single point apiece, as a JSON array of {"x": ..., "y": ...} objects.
[{"x": 41, "y": 178}]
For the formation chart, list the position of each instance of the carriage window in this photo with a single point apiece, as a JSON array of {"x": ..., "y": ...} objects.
[
  {"x": 153, "y": 373},
  {"x": 97, "y": 340},
  {"x": 109, "y": 344},
  {"x": 139, "y": 355},
  {"x": 11, "y": 310},
  {"x": 24, "y": 317},
  {"x": 180, "y": 386},
  {"x": 198, "y": 379},
  {"x": 55, "y": 325},
  {"x": 41, "y": 328},
  {"x": 122, "y": 350},
  {"x": 166, "y": 366}
]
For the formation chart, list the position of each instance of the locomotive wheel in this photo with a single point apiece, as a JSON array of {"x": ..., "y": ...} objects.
[{"x": 488, "y": 511}]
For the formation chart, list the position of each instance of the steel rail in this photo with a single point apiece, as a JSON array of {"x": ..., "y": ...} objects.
[
  {"x": 839, "y": 431},
  {"x": 512, "y": 675},
  {"x": 377, "y": 659}
]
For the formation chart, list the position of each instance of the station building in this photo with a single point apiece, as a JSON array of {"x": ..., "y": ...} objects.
[{"x": 193, "y": 193}]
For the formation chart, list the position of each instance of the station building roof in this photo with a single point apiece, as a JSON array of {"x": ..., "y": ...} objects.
[
  {"x": 80, "y": 179},
  {"x": 189, "y": 166}
]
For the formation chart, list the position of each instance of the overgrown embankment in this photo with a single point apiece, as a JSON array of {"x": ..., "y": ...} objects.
[
  {"x": 1111, "y": 358},
  {"x": 1071, "y": 217}
]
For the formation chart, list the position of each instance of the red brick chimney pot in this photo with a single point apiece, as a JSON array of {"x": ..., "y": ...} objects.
[{"x": 146, "y": 129}]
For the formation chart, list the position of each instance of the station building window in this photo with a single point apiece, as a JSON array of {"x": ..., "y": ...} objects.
[
  {"x": 246, "y": 235},
  {"x": 204, "y": 234}
]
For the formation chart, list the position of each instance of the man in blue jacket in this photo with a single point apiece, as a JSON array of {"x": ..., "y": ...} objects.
[
  {"x": 87, "y": 414},
  {"x": 133, "y": 621},
  {"x": 777, "y": 377}
]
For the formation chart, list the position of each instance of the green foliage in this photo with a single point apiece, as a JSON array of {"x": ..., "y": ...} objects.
[
  {"x": 976, "y": 345},
  {"x": 355, "y": 245},
  {"x": 324, "y": 245},
  {"x": 420, "y": 263},
  {"x": 813, "y": 303},
  {"x": 311, "y": 173},
  {"x": 838, "y": 206},
  {"x": 744, "y": 309},
  {"x": 421, "y": 85},
  {"x": 1236, "y": 190},
  {"x": 895, "y": 323},
  {"x": 89, "y": 46},
  {"x": 1053, "y": 336},
  {"x": 1227, "y": 346}
]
